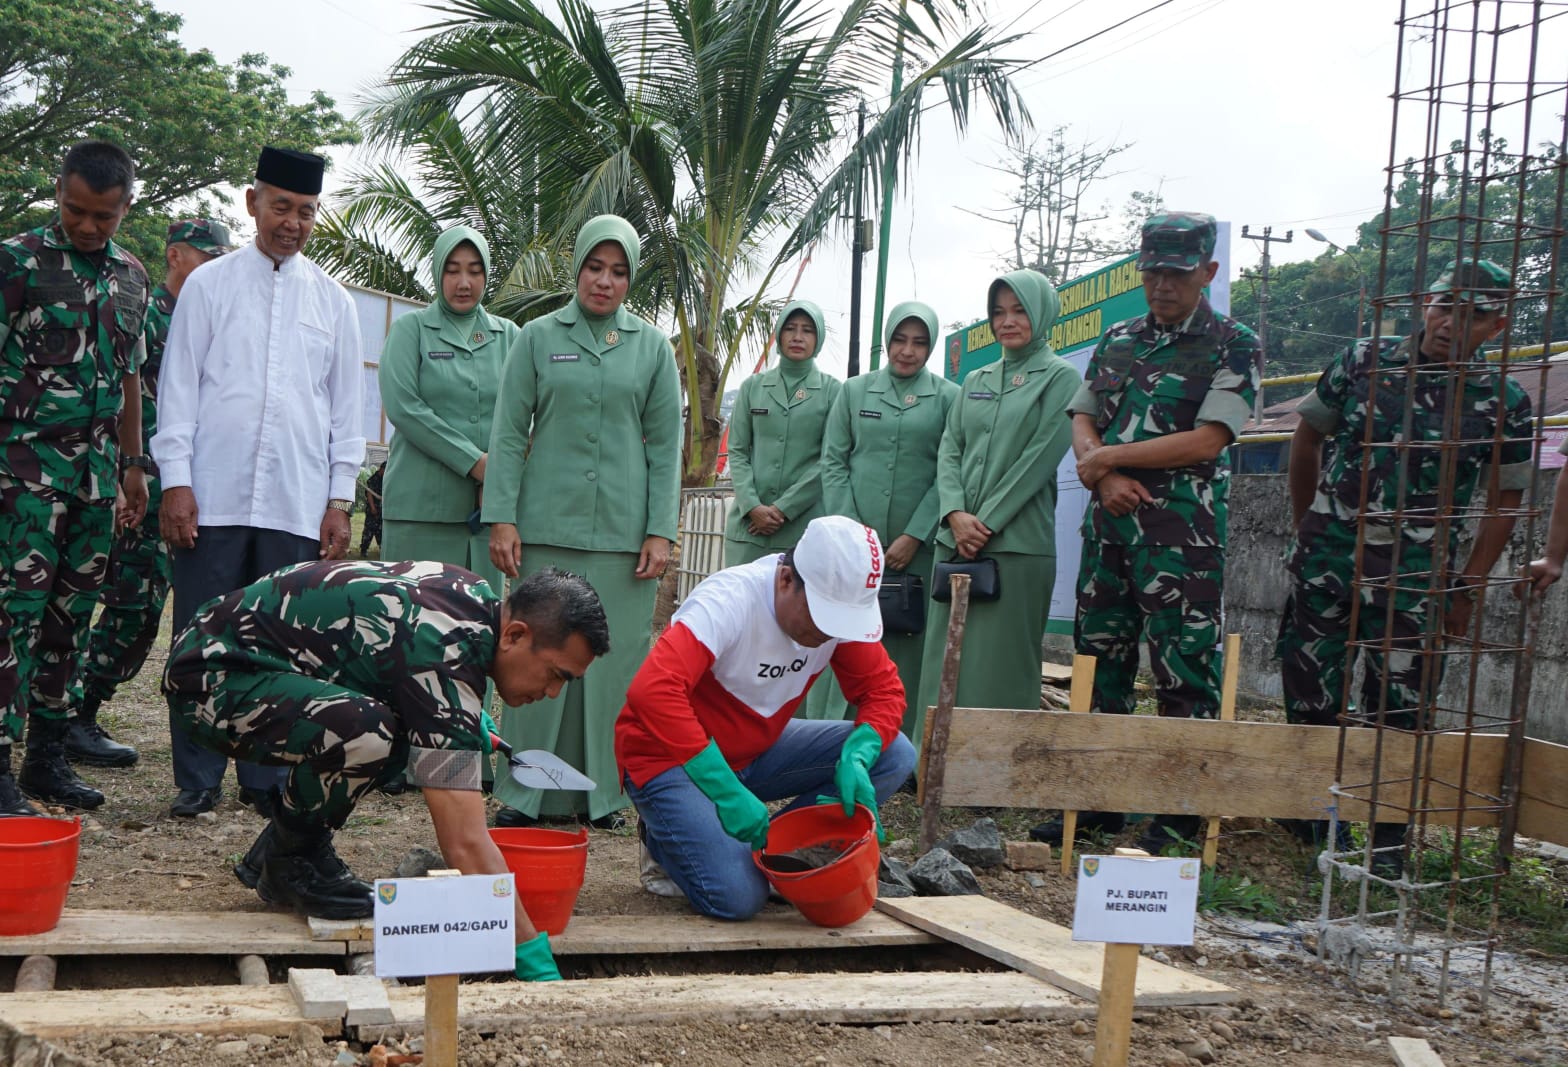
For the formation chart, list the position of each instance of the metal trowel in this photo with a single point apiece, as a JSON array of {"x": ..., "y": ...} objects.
[{"x": 538, "y": 769}]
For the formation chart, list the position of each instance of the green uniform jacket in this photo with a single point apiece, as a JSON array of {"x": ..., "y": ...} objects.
[
  {"x": 439, "y": 390},
  {"x": 72, "y": 331},
  {"x": 775, "y": 452},
  {"x": 1005, "y": 437},
  {"x": 586, "y": 446},
  {"x": 879, "y": 454}
]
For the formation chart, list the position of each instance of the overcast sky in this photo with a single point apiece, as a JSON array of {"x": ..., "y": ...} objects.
[{"x": 1262, "y": 113}]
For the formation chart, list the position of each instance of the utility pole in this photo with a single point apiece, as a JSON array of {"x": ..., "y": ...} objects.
[
  {"x": 1263, "y": 274},
  {"x": 889, "y": 181},
  {"x": 857, "y": 252}
]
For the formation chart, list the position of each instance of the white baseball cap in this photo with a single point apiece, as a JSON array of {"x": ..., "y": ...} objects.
[{"x": 840, "y": 560}]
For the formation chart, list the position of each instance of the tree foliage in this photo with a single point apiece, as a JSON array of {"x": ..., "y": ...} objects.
[
  {"x": 71, "y": 69},
  {"x": 713, "y": 126},
  {"x": 1053, "y": 226},
  {"x": 1318, "y": 306}
]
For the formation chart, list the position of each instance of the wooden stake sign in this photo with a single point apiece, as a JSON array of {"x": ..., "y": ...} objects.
[{"x": 1129, "y": 900}]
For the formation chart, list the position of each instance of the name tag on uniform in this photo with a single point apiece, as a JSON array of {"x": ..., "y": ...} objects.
[
  {"x": 982, "y": 395},
  {"x": 443, "y": 355},
  {"x": 759, "y": 411},
  {"x": 867, "y": 414},
  {"x": 565, "y": 357}
]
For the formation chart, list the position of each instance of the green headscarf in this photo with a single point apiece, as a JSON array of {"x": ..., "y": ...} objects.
[
  {"x": 909, "y": 309},
  {"x": 1041, "y": 304},
  {"x": 446, "y": 243},
  {"x": 814, "y": 313},
  {"x": 603, "y": 228}
]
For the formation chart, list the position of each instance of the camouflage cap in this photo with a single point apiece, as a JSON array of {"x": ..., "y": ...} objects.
[
  {"x": 1177, "y": 240},
  {"x": 204, "y": 235},
  {"x": 1477, "y": 281}
]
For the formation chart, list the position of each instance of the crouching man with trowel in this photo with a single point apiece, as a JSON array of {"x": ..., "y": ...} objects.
[
  {"x": 707, "y": 735},
  {"x": 350, "y": 672}
]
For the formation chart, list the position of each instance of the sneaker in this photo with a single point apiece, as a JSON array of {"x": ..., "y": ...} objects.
[
  {"x": 653, "y": 877},
  {"x": 613, "y": 821}
]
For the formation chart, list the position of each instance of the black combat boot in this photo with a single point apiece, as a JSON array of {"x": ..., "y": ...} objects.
[
  {"x": 12, "y": 802},
  {"x": 45, "y": 773},
  {"x": 300, "y": 870},
  {"x": 335, "y": 874},
  {"x": 89, "y": 744}
]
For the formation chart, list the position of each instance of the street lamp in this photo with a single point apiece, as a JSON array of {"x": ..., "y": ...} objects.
[{"x": 1361, "y": 275}]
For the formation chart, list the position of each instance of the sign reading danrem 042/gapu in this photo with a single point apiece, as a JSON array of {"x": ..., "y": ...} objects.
[{"x": 1089, "y": 305}]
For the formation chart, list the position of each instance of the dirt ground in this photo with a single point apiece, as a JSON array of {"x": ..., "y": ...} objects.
[{"x": 1296, "y": 1010}]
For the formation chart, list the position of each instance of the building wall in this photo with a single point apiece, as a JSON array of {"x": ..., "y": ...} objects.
[{"x": 1256, "y": 585}]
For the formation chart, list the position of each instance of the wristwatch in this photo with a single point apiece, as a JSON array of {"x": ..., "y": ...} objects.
[
  {"x": 144, "y": 462},
  {"x": 345, "y": 506}
]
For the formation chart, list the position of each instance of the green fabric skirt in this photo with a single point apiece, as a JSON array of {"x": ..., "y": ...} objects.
[
  {"x": 738, "y": 552},
  {"x": 579, "y": 725},
  {"x": 1000, "y": 664},
  {"x": 444, "y": 542}
]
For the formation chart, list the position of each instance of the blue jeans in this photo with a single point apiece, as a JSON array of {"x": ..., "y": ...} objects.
[{"x": 682, "y": 830}]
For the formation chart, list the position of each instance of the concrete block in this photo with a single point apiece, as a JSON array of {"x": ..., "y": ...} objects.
[{"x": 318, "y": 992}]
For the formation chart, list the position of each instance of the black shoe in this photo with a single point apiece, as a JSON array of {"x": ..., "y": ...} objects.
[
  {"x": 1165, "y": 831},
  {"x": 294, "y": 882},
  {"x": 261, "y": 801},
  {"x": 912, "y": 787},
  {"x": 46, "y": 775},
  {"x": 192, "y": 802},
  {"x": 394, "y": 786},
  {"x": 1314, "y": 832},
  {"x": 336, "y": 878},
  {"x": 613, "y": 821},
  {"x": 12, "y": 802},
  {"x": 1089, "y": 822},
  {"x": 513, "y": 819},
  {"x": 88, "y": 743},
  {"x": 1388, "y": 856}
]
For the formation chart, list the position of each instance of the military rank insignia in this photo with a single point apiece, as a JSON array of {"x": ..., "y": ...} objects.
[{"x": 613, "y": 337}]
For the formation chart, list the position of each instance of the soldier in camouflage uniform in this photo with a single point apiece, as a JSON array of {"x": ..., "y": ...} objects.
[
  {"x": 1370, "y": 383},
  {"x": 138, "y": 582},
  {"x": 70, "y": 348},
  {"x": 1164, "y": 396},
  {"x": 349, "y": 672}
]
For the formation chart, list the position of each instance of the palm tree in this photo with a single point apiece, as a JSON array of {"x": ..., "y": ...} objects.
[{"x": 712, "y": 125}]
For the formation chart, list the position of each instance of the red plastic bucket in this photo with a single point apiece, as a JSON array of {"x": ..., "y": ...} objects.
[
  {"x": 549, "y": 865},
  {"x": 844, "y": 890},
  {"x": 37, "y": 863}
]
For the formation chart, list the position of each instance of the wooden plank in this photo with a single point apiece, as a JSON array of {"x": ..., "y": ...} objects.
[
  {"x": 1113, "y": 1016},
  {"x": 654, "y": 935},
  {"x": 729, "y": 998},
  {"x": 1543, "y": 807},
  {"x": 1045, "y": 950},
  {"x": 1045, "y": 759},
  {"x": 1079, "y": 702},
  {"x": 189, "y": 933},
  {"x": 195, "y": 1009},
  {"x": 1211, "y": 839},
  {"x": 1413, "y": 1052}
]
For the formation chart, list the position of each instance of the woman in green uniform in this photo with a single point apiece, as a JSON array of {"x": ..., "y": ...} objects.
[
  {"x": 879, "y": 466},
  {"x": 439, "y": 376},
  {"x": 996, "y": 492},
  {"x": 775, "y": 442},
  {"x": 584, "y": 474}
]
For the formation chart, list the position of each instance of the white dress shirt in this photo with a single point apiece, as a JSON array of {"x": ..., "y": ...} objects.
[{"x": 259, "y": 396}]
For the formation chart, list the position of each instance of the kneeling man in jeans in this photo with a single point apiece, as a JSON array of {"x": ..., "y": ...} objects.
[{"x": 708, "y": 736}]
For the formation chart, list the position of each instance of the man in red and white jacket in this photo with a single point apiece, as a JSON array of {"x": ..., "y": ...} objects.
[{"x": 707, "y": 735}]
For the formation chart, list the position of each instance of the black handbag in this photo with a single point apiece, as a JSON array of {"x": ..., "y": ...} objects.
[
  {"x": 985, "y": 578},
  {"x": 902, "y": 599}
]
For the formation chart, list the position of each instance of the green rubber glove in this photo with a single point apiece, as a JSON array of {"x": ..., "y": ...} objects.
[
  {"x": 487, "y": 724},
  {"x": 535, "y": 961},
  {"x": 853, "y": 774},
  {"x": 743, "y": 816}
]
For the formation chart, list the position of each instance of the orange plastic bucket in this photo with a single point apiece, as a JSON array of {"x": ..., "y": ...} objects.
[
  {"x": 549, "y": 865},
  {"x": 844, "y": 890},
  {"x": 37, "y": 863}
]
